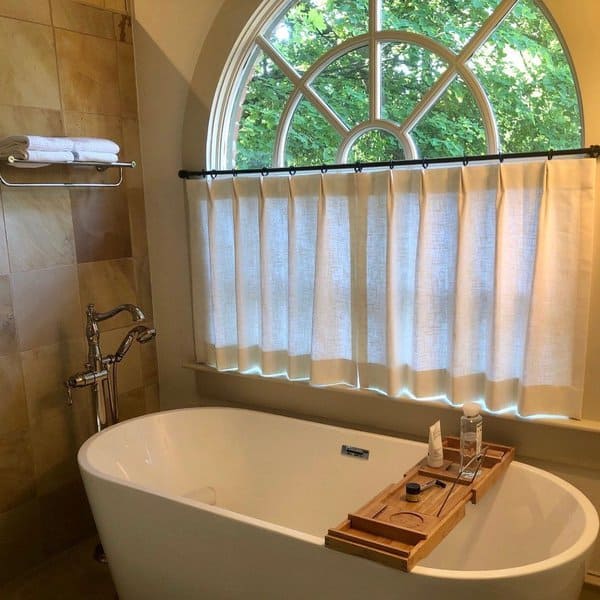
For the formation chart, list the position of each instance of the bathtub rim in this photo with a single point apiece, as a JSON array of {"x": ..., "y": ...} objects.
[{"x": 579, "y": 549}]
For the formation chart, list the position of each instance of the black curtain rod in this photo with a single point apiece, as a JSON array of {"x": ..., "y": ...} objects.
[{"x": 593, "y": 151}]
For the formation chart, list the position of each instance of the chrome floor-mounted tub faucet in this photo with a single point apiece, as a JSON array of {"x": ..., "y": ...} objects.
[{"x": 100, "y": 371}]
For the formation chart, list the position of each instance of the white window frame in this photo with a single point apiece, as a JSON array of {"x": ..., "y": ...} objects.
[{"x": 238, "y": 71}]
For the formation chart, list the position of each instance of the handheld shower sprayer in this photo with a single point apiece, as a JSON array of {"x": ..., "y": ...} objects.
[{"x": 140, "y": 333}]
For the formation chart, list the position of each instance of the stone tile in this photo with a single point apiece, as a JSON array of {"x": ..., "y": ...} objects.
[
  {"x": 122, "y": 25},
  {"x": 67, "y": 14},
  {"x": 78, "y": 124},
  {"x": 127, "y": 82},
  {"x": 48, "y": 214},
  {"x": 44, "y": 371},
  {"x": 20, "y": 541},
  {"x": 151, "y": 392},
  {"x": 99, "y": 3},
  {"x": 137, "y": 223},
  {"x": 132, "y": 404},
  {"x": 55, "y": 441},
  {"x": 47, "y": 307},
  {"x": 108, "y": 284},
  {"x": 28, "y": 73},
  {"x": 16, "y": 120},
  {"x": 88, "y": 73},
  {"x": 129, "y": 373},
  {"x": 66, "y": 517},
  {"x": 116, "y": 5},
  {"x": 101, "y": 224},
  {"x": 8, "y": 331},
  {"x": 4, "y": 265},
  {"x": 144, "y": 290},
  {"x": 17, "y": 482},
  {"x": 51, "y": 174},
  {"x": 13, "y": 408},
  {"x": 132, "y": 151},
  {"x": 37, "y": 11}
]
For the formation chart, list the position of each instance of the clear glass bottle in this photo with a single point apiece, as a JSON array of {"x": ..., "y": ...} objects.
[{"x": 471, "y": 425}]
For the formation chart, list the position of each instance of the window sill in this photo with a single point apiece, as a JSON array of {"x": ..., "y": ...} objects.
[{"x": 584, "y": 425}]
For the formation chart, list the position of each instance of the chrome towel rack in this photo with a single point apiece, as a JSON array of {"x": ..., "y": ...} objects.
[{"x": 99, "y": 166}]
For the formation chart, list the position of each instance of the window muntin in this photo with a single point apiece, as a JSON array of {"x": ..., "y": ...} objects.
[
  {"x": 452, "y": 23},
  {"x": 408, "y": 71},
  {"x": 534, "y": 78},
  {"x": 461, "y": 87},
  {"x": 344, "y": 86},
  {"x": 260, "y": 112},
  {"x": 324, "y": 24}
]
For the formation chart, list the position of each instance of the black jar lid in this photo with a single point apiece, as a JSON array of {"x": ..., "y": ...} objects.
[{"x": 413, "y": 488}]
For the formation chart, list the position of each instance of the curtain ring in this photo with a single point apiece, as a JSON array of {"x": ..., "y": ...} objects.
[
  {"x": 550, "y": 154},
  {"x": 391, "y": 165},
  {"x": 500, "y": 157},
  {"x": 264, "y": 171},
  {"x": 425, "y": 163},
  {"x": 465, "y": 161},
  {"x": 292, "y": 170},
  {"x": 358, "y": 167},
  {"x": 323, "y": 169},
  {"x": 234, "y": 173},
  {"x": 213, "y": 174}
]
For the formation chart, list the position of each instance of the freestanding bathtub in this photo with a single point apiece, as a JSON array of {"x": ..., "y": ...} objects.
[{"x": 212, "y": 503}]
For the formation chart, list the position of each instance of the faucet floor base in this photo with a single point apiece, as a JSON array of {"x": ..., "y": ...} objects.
[{"x": 99, "y": 554}]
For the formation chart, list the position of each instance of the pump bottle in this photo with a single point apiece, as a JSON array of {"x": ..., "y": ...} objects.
[{"x": 471, "y": 425}]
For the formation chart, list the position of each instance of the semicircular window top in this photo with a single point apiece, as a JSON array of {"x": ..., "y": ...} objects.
[{"x": 321, "y": 81}]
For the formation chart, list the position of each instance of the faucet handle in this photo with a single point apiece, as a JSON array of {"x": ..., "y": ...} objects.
[
  {"x": 69, "y": 393},
  {"x": 83, "y": 379}
]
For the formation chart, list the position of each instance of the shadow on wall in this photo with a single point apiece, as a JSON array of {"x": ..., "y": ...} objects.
[
  {"x": 226, "y": 28},
  {"x": 174, "y": 114}
]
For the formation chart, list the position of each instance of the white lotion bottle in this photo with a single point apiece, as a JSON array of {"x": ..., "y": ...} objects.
[
  {"x": 471, "y": 426},
  {"x": 435, "y": 454}
]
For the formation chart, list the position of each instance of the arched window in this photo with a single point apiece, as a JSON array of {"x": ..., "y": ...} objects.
[{"x": 317, "y": 81}]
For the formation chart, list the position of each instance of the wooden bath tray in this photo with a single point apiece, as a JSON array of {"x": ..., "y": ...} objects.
[{"x": 398, "y": 533}]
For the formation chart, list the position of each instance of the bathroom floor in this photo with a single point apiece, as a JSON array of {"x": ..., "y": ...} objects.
[{"x": 72, "y": 575}]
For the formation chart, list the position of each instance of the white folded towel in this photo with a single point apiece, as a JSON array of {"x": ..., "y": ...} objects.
[
  {"x": 83, "y": 144},
  {"x": 34, "y": 142},
  {"x": 105, "y": 157},
  {"x": 40, "y": 156}
]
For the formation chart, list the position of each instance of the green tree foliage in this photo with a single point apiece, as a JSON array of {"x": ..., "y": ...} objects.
[{"x": 522, "y": 68}]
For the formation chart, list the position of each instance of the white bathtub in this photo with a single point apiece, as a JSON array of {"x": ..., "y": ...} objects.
[{"x": 279, "y": 484}]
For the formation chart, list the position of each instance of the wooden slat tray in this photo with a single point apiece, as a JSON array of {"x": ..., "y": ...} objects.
[{"x": 393, "y": 531}]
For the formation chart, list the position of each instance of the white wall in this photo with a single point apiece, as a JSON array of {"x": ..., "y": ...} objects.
[{"x": 167, "y": 45}]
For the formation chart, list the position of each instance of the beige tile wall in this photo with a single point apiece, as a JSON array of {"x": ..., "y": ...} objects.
[{"x": 66, "y": 68}]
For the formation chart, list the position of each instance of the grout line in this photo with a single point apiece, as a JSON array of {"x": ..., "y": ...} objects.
[
  {"x": 100, "y": 37},
  {"x": 57, "y": 64},
  {"x": 30, "y": 21}
]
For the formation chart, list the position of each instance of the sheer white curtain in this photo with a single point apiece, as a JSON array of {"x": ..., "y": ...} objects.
[{"x": 463, "y": 283}]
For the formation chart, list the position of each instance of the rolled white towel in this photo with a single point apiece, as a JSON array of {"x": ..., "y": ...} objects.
[
  {"x": 40, "y": 156},
  {"x": 85, "y": 144},
  {"x": 88, "y": 156},
  {"x": 34, "y": 142}
]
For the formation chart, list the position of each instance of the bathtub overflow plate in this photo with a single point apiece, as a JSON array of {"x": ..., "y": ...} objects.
[{"x": 355, "y": 452}]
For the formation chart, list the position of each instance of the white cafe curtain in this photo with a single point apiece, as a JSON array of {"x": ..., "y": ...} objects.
[{"x": 462, "y": 283}]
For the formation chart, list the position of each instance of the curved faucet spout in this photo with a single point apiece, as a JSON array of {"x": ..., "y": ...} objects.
[{"x": 135, "y": 312}]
